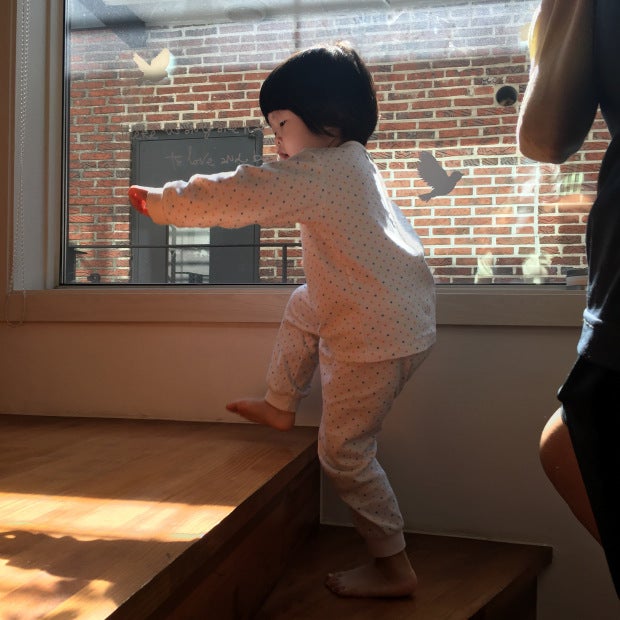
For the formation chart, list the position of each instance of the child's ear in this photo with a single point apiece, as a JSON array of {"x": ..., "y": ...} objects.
[{"x": 335, "y": 133}]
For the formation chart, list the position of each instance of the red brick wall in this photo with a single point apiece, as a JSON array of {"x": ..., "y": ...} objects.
[{"x": 436, "y": 71}]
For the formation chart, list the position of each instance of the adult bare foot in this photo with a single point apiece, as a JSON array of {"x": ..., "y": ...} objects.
[
  {"x": 391, "y": 577},
  {"x": 260, "y": 411}
]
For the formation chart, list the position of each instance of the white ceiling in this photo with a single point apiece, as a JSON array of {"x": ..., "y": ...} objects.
[{"x": 87, "y": 13}]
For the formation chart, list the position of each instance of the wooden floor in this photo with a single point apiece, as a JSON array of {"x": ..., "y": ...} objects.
[
  {"x": 459, "y": 579},
  {"x": 97, "y": 516},
  {"x": 155, "y": 520}
]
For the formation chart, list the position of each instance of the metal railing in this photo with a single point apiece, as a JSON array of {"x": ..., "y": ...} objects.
[{"x": 75, "y": 252}]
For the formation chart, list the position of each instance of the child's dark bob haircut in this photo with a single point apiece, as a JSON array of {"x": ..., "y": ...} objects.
[{"x": 329, "y": 87}]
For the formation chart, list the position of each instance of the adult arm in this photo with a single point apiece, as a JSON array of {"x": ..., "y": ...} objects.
[{"x": 560, "y": 100}]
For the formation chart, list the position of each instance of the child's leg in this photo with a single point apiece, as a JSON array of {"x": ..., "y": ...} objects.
[
  {"x": 356, "y": 399},
  {"x": 293, "y": 362}
]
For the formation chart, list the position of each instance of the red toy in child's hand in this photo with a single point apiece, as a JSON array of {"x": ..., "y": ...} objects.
[{"x": 137, "y": 197}]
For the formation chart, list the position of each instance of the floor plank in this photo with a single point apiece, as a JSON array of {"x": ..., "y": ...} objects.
[
  {"x": 457, "y": 578},
  {"x": 92, "y": 509}
]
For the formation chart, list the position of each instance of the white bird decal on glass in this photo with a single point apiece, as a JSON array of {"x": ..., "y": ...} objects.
[{"x": 155, "y": 70}]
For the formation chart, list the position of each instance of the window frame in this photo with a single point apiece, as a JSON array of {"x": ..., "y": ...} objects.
[{"x": 34, "y": 294}]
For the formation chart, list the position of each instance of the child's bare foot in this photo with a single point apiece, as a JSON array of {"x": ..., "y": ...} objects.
[
  {"x": 384, "y": 577},
  {"x": 260, "y": 411}
]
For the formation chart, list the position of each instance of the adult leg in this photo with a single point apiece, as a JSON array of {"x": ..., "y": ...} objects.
[{"x": 560, "y": 464}]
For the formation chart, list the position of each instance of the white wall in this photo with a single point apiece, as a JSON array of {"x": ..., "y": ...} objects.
[{"x": 460, "y": 446}]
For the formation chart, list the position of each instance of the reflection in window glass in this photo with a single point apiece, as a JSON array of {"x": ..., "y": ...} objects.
[{"x": 184, "y": 80}]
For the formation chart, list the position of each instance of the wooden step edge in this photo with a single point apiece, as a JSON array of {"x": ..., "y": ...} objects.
[
  {"x": 460, "y": 579},
  {"x": 214, "y": 573}
]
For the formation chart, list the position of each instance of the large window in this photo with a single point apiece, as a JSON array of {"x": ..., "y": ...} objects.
[{"x": 157, "y": 90}]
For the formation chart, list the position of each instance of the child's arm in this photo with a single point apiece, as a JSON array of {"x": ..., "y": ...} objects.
[{"x": 267, "y": 195}]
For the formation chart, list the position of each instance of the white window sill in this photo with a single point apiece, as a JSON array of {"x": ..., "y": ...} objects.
[{"x": 550, "y": 306}]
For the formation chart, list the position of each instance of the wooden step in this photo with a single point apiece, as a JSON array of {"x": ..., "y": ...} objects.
[
  {"x": 133, "y": 519},
  {"x": 459, "y": 579}
]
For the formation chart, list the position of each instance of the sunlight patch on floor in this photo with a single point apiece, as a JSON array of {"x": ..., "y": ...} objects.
[{"x": 87, "y": 518}]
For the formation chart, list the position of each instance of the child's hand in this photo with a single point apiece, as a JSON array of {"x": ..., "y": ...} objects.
[{"x": 137, "y": 197}]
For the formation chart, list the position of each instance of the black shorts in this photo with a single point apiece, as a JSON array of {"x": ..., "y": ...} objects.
[{"x": 591, "y": 410}]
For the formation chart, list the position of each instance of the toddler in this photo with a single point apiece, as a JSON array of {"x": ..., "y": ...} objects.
[{"x": 366, "y": 315}]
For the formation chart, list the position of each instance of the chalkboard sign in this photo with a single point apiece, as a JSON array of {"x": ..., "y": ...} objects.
[{"x": 159, "y": 156}]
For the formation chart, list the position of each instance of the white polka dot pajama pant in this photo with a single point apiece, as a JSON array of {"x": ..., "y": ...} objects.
[{"x": 356, "y": 398}]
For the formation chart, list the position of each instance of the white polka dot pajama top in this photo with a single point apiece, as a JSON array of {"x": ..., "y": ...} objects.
[{"x": 366, "y": 314}]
